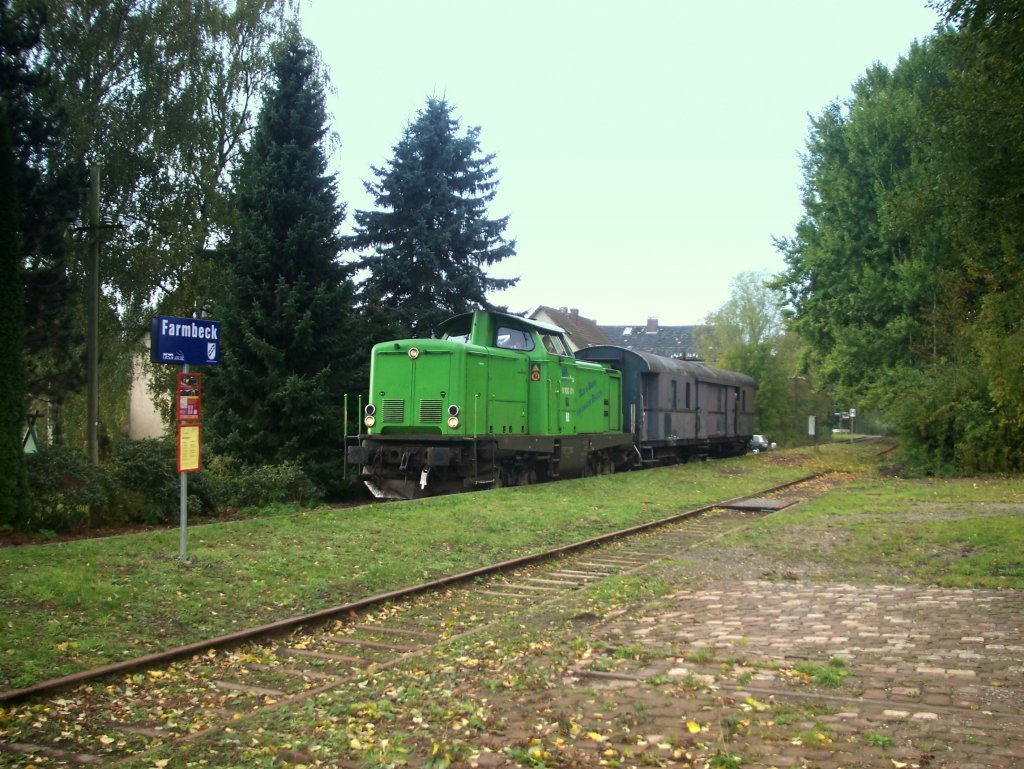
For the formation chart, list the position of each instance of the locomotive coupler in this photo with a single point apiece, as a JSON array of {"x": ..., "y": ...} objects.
[{"x": 404, "y": 464}]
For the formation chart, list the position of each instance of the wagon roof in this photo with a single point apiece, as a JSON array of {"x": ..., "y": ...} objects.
[{"x": 659, "y": 364}]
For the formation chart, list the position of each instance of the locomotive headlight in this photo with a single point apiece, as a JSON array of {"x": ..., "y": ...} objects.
[
  {"x": 414, "y": 352},
  {"x": 453, "y": 417},
  {"x": 369, "y": 420}
]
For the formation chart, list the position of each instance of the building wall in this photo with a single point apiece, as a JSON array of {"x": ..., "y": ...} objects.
[{"x": 144, "y": 419}]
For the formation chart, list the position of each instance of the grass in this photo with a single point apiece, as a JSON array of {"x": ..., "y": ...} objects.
[
  {"x": 73, "y": 605},
  {"x": 441, "y": 710},
  {"x": 829, "y": 675},
  {"x": 878, "y": 740},
  {"x": 952, "y": 533}
]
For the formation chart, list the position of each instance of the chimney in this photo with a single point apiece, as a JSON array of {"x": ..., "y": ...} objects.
[
  {"x": 652, "y": 325},
  {"x": 575, "y": 312}
]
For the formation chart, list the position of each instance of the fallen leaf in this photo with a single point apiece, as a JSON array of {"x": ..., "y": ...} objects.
[{"x": 758, "y": 706}]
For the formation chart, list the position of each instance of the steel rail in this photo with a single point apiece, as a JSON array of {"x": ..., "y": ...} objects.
[{"x": 280, "y": 627}]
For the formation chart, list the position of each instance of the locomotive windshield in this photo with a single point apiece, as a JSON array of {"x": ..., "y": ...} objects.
[{"x": 513, "y": 339}]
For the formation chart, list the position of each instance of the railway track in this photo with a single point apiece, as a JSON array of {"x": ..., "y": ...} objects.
[{"x": 100, "y": 716}]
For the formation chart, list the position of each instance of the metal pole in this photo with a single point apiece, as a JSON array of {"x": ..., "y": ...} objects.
[
  {"x": 183, "y": 536},
  {"x": 92, "y": 344},
  {"x": 344, "y": 443}
]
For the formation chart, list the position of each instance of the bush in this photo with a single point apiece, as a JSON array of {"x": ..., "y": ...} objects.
[
  {"x": 948, "y": 423},
  {"x": 66, "y": 491},
  {"x": 140, "y": 485},
  {"x": 149, "y": 487},
  {"x": 237, "y": 486}
]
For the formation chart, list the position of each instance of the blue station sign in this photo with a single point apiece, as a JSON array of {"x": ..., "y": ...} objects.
[{"x": 184, "y": 340}]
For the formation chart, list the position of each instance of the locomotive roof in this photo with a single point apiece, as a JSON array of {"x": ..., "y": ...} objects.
[
  {"x": 516, "y": 319},
  {"x": 659, "y": 364}
]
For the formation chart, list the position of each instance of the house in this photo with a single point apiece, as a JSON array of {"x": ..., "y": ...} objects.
[
  {"x": 580, "y": 332},
  {"x": 667, "y": 341}
]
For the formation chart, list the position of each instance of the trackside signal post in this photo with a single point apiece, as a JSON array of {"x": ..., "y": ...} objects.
[{"x": 188, "y": 341}]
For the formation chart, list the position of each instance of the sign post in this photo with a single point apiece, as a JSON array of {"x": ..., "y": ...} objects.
[{"x": 186, "y": 341}]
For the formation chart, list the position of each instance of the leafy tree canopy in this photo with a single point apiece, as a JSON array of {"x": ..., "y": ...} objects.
[
  {"x": 906, "y": 274},
  {"x": 160, "y": 95},
  {"x": 747, "y": 334},
  {"x": 431, "y": 237}
]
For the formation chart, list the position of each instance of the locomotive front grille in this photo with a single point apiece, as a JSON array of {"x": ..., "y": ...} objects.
[
  {"x": 392, "y": 411},
  {"x": 430, "y": 411}
]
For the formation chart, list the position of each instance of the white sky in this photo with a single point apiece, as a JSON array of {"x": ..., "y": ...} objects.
[{"x": 648, "y": 150}]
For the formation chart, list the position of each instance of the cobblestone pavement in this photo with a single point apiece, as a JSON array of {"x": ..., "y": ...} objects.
[{"x": 768, "y": 674}]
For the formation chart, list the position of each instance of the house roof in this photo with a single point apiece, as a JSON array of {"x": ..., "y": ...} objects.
[
  {"x": 652, "y": 337},
  {"x": 582, "y": 332}
]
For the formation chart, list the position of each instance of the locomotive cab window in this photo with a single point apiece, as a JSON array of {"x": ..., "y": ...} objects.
[
  {"x": 459, "y": 332},
  {"x": 555, "y": 345},
  {"x": 513, "y": 339}
]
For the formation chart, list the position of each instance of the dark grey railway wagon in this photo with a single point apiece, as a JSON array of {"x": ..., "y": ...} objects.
[{"x": 678, "y": 409}]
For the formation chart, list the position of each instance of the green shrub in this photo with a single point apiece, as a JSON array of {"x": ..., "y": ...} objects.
[
  {"x": 237, "y": 486},
  {"x": 148, "y": 483},
  {"x": 67, "y": 492},
  {"x": 149, "y": 486},
  {"x": 948, "y": 423},
  {"x": 140, "y": 485}
]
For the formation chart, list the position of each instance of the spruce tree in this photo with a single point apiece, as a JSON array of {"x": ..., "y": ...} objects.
[
  {"x": 291, "y": 346},
  {"x": 431, "y": 237},
  {"x": 13, "y": 478},
  {"x": 47, "y": 190}
]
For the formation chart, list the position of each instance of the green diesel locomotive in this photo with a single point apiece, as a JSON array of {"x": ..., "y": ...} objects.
[
  {"x": 496, "y": 400},
  {"x": 501, "y": 400}
]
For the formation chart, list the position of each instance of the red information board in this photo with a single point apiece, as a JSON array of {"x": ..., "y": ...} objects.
[{"x": 190, "y": 387}]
